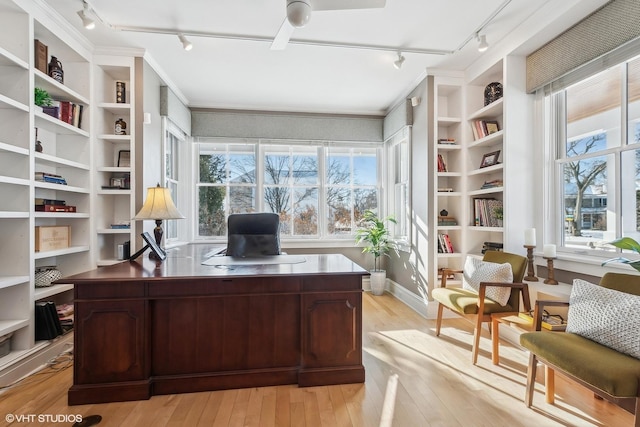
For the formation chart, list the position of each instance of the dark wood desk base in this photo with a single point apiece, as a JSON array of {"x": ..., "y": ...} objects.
[{"x": 136, "y": 337}]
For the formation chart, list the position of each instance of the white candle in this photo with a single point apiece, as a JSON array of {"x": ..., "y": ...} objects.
[
  {"x": 530, "y": 237},
  {"x": 549, "y": 251}
]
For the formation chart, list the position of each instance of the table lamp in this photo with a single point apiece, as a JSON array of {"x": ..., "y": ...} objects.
[{"x": 158, "y": 206}]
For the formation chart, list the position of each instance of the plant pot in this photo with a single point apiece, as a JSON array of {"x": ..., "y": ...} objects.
[{"x": 378, "y": 281}]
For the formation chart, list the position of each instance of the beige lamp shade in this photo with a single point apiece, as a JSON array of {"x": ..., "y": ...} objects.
[{"x": 158, "y": 205}]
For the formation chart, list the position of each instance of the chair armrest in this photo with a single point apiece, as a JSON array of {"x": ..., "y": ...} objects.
[
  {"x": 539, "y": 308},
  {"x": 522, "y": 287},
  {"x": 445, "y": 273}
]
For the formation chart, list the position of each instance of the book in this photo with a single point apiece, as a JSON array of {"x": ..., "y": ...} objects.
[
  {"x": 40, "y": 201},
  {"x": 41, "y": 52},
  {"x": 55, "y": 208},
  {"x": 552, "y": 323}
]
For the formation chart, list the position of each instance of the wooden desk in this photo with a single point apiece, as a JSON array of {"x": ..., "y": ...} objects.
[{"x": 144, "y": 328}]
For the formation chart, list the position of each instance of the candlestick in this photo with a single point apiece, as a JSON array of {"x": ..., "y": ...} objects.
[
  {"x": 530, "y": 237},
  {"x": 550, "y": 279},
  {"x": 531, "y": 274},
  {"x": 549, "y": 251}
]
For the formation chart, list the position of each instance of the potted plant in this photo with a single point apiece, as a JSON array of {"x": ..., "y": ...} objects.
[
  {"x": 42, "y": 98},
  {"x": 375, "y": 237},
  {"x": 498, "y": 213},
  {"x": 629, "y": 244}
]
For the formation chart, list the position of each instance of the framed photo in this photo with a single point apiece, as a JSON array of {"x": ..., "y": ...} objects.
[
  {"x": 117, "y": 182},
  {"x": 490, "y": 159},
  {"x": 154, "y": 247},
  {"x": 124, "y": 159},
  {"x": 492, "y": 127}
]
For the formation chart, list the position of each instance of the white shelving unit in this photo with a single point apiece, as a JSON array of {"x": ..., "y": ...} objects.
[
  {"x": 114, "y": 206},
  {"x": 476, "y": 148},
  {"x": 447, "y": 186},
  {"x": 66, "y": 151}
]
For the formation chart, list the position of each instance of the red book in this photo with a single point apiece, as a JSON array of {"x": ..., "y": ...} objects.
[
  {"x": 55, "y": 208},
  {"x": 66, "y": 112}
]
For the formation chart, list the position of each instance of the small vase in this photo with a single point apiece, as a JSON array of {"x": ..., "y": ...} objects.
[{"x": 378, "y": 281}]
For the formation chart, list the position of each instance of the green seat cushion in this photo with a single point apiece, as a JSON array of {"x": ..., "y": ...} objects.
[
  {"x": 606, "y": 369},
  {"x": 466, "y": 301}
]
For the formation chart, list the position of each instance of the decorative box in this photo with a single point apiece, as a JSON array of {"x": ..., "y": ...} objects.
[{"x": 51, "y": 238}]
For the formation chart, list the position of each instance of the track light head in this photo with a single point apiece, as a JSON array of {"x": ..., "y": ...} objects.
[
  {"x": 87, "y": 22},
  {"x": 186, "y": 44},
  {"x": 483, "y": 45},
  {"x": 298, "y": 12},
  {"x": 398, "y": 63}
]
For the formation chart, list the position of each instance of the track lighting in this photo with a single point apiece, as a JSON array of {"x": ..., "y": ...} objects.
[
  {"x": 399, "y": 61},
  {"x": 87, "y": 22},
  {"x": 298, "y": 12},
  {"x": 483, "y": 45},
  {"x": 186, "y": 44}
]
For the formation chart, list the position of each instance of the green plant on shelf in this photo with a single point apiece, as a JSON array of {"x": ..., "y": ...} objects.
[{"x": 42, "y": 98}]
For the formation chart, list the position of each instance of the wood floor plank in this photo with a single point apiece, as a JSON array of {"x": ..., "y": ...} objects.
[{"x": 437, "y": 386}]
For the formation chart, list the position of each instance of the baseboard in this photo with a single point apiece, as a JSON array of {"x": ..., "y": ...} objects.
[
  {"x": 419, "y": 303},
  {"x": 36, "y": 359}
]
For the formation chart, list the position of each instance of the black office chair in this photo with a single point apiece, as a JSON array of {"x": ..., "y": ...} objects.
[{"x": 253, "y": 234}]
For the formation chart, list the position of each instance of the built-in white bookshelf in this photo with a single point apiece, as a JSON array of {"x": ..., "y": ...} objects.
[{"x": 114, "y": 155}]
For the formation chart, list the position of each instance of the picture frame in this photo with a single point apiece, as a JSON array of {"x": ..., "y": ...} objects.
[
  {"x": 150, "y": 243},
  {"x": 490, "y": 159},
  {"x": 117, "y": 182},
  {"x": 124, "y": 158},
  {"x": 160, "y": 253},
  {"x": 491, "y": 126}
]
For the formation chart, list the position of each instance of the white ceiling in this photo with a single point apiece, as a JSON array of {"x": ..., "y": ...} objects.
[{"x": 231, "y": 73}]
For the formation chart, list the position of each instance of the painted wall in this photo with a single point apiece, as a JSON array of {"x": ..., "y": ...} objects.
[{"x": 409, "y": 269}]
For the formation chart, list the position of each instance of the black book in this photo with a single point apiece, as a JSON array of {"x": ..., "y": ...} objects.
[{"x": 45, "y": 328}]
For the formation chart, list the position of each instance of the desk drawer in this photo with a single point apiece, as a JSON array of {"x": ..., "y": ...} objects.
[{"x": 224, "y": 286}]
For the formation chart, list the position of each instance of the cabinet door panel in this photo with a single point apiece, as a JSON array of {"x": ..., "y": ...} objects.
[{"x": 113, "y": 341}]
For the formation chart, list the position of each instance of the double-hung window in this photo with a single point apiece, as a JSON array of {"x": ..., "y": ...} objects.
[
  {"x": 595, "y": 135},
  {"x": 319, "y": 189}
]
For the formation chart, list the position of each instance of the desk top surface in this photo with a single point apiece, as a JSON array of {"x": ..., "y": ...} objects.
[{"x": 187, "y": 261}]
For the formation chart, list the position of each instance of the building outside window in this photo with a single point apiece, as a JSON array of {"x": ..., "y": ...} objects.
[
  {"x": 320, "y": 190},
  {"x": 597, "y": 158}
]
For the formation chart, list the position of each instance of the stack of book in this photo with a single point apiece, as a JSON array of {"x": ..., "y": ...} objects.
[
  {"x": 484, "y": 211},
  {"x": 65, "y": 315},
  {"x": 483, "y": 128},
  {"x": 52, "y": 205},
  {"x": 50, "y": 177},
  {"x": 447, "y": 141},
  {"x": 492, "y": 246},
  {"x": 447, "y": 220},
  {"x": 444, "y": 244},
  {"x": 66, "y": 111},
  {"x": 492, "y": 184}
]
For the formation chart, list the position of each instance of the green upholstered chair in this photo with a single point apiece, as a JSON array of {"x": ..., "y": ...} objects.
[
  {"x": 610, "y": 374},
  {"x": 474, "y": 306}
]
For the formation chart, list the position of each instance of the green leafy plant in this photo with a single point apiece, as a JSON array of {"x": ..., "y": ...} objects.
[
  {"x": 629, "y": 244},
  {"x": 375, "y": 236},
  {"x": 498, "y": 212},
  {"x": 42, "y": 98}
]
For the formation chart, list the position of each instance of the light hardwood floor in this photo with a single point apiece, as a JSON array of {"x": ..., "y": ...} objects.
[{"x": 436, "y": 386}]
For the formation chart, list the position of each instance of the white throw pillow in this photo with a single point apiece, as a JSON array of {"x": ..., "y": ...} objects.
[
  {"x": 477, "y": 270},
  {"x": 606, "y": 316}
]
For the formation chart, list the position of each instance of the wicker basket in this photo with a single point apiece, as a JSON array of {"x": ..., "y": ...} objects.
[{"x": 46, "y": 275}]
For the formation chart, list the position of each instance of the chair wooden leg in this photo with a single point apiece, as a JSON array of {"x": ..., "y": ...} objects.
[
  {"x": 636, "y": 417},
  {"x": 439, "y": 319},
  {"x": 531, "y": 380},
  {"x": 549, "y": 384},
  {"x": 477, "y": 331},
  {"x": 495, "y": 341}
]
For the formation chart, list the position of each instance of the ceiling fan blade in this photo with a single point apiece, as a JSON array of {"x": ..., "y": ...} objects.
[
  {"x": 347, "y": 4},
  {"x": 284, "y": 34}
]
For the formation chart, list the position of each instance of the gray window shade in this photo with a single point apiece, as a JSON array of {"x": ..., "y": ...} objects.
[{"x": 604, "y": 38}]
